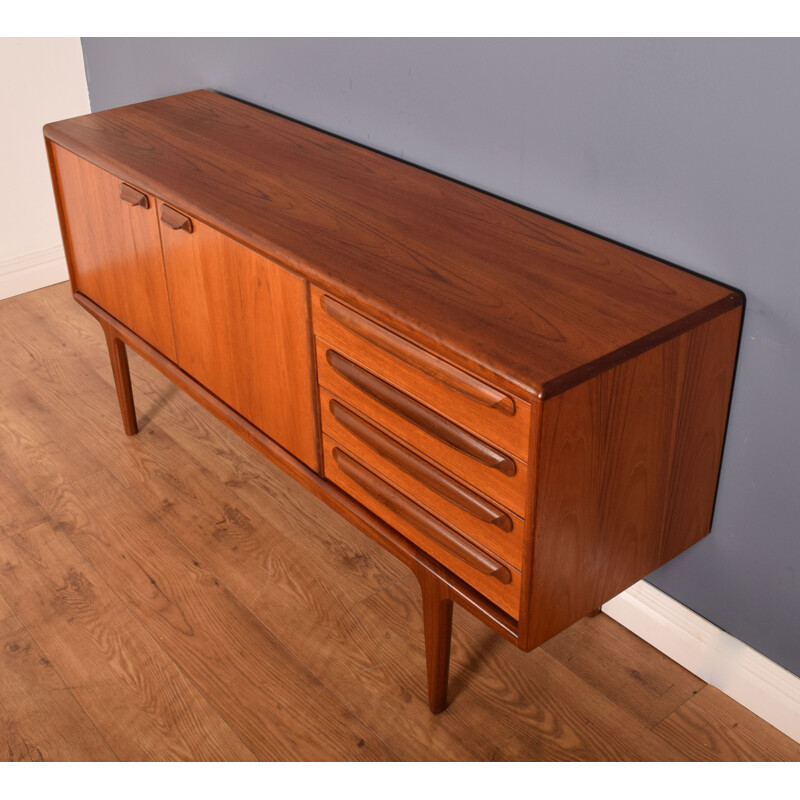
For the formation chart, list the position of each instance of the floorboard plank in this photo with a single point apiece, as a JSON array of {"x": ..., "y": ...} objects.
[
  {"x": 36, "y": 453},
  {"x": 309, "y": 610},
  {"x": 18, "y": 509},
  {"x": 548, "y": 711},
  {"x": 712, "y": 727},
  {"x": 278, "y": 708},
  {"x": 5, "y": 609},
  {"x": 224, "y": 532},
  {"x": 138, "y": 700},
  {"x": 40, "y": 719},
  {"x": 626, "y": 669},
  {"x": 80, "y": 408},
  {"x": 131, "y": 459},
  {"x": 281, "y": 509},
  {"x": 53, "y": 309},
  {"x": 30, "y": 344},
  {"x": 357, "y": 563},
  {"x": 365, "y": 568}
]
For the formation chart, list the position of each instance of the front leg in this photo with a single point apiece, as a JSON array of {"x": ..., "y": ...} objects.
[
  {"x": 437, "y": 617},
  {"x": 122, "y": 379}
]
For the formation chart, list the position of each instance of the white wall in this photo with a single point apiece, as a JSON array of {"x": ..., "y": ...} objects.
[{"x": 41, "y": 80}]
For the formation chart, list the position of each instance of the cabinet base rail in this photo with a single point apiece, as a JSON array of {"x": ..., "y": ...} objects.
[{"x": 440, "y": 589}]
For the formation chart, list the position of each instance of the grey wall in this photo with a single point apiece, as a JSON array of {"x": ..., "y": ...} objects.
[{"x": 687, "y": 149}]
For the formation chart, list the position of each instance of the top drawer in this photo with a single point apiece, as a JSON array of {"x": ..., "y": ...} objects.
[{"x": 498, "y": 416}]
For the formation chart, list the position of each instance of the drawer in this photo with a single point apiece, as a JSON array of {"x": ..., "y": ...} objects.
[
  {"x": 494, "y": 415},
  {"x": 471, "y": 460},
  {"x": 486, "y": 573},
  {"x": 474, "y": 516}
]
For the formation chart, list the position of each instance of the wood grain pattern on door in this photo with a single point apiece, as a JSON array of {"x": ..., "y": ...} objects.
[
  {"x": 112, "y": 232},
  {"x": 241, "y": 329}
]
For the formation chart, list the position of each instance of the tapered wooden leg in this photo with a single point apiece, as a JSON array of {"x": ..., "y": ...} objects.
[
  {"x": 437, "y": 614},
  {"x": 122, "y": 380}
]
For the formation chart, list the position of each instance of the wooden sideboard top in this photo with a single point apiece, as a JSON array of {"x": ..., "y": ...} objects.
[{"x": 531, "y": 303}]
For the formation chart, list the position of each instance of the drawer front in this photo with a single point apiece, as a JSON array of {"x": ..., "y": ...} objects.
[
  {"x": 486, "y": 573},
  {"x": 469, "y": 459},
  {"x": 479, "y": 519},
  {"x": 494, "y": 415}
]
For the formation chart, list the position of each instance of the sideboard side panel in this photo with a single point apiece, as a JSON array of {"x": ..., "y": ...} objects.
[
  {"x": 696, "y": 454},
  {"x": 629, "y": 465}
]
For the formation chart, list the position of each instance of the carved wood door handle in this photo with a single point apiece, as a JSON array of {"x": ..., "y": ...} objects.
[
  {"x": 133, "y": 196},
  {"x": 175, "y": 220},
  {"x": 420, "y": 469},
  {"x": 416, "y": 357},
  {"x": 429, "y": 421},
  {"x": 436, "y": 530}
]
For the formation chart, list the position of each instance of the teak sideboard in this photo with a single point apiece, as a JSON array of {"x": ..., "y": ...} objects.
[{"x": 529, "y": 416}]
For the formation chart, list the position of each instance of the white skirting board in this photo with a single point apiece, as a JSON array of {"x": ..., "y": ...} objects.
[
  {"x": 32, "y": 271},
  {"x": 760, "y": 685}
]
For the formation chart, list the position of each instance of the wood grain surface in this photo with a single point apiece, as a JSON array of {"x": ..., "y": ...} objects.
[
  {"x": 114, "y": 247},
  {"x": 144, "y": 707},
  {"x": 613, "y": 473},
  {"x": 498, "y": 289},
  {"x": 643, "y": 681},
  {"x": 399, "y": 546},
  {"x": 503, "y": 591},
  {"x": 18, "y": 509},
  {"x": 508, "y": 491},
  {"x": 509, "y": 432},
  {"x": 423, "y": 487},
  {"x": 39, "y": 715},
  {"x": 223, "y": 649},
  {"x": 351, "y": 616},
  {"x": 708, "y": 728},
  {"x": 242, "y": 332},
  {"x": 118, "y": 357},
  {"x": 629, "y": 466},
  {"x": 5, "y": 609}
]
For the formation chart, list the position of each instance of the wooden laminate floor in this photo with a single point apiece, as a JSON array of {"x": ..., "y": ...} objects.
[{"x": 174, "y": 596}]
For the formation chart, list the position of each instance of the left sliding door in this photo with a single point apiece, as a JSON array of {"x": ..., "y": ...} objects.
[{"x": 113, "y": 235}]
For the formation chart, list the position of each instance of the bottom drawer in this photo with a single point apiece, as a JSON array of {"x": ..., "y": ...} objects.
[{"x": 486, "y": 573}]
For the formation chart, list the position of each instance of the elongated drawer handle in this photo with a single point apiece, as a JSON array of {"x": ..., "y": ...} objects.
[
  {"x": 416, "y": 357},
  {"x": 133, "y": 196},
  {"x": 435, "y": 530},
  {"x": 429, "y": 421},
  {"x": 420, "y": 469},
  {"x": 175, "y": 220}
]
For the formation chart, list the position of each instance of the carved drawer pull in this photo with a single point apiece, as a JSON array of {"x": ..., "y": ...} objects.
[
  {"x": 133, "y": 196},
  {"x": 175, "y": 220},
  {"x": 416, "y": 357},
  {"x": 421, "y": 416},
  {"x": 428, "y": 524},
  {"x": 420, "y": 469}
]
